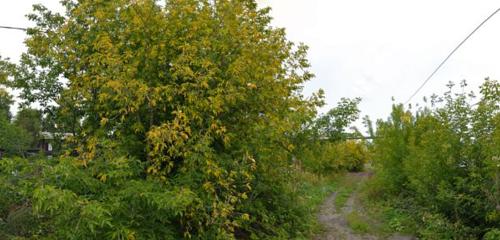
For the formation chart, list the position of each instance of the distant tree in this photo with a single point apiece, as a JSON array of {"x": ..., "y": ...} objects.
[
  {"x": 369, "y": 126},
  {"x": 14, "y": 140},
  {"x": 30, "y": 120},
  {"x": 4, "y": 70},
  {"x": 5, "y": 102},
  {"x": 333, "y": 124}
]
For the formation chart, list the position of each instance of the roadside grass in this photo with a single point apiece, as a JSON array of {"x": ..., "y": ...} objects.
[
  {"x": 314, "y": 189},
  {"x": 373, "y": 215},
  {"x": 358, "y": 220},
  {"x": 347, "y": 185},
  {"x": 342, "y": 196},
  {"x": 390, "y": 218},
  {"x": 358, "y": 223}
]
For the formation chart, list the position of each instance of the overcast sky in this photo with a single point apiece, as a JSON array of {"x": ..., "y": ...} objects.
[{"x": 372, "y": 49}]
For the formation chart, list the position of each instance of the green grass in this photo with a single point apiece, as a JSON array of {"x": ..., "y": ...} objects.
[
  {"x": 347, "y": 185},
  {"x": 378, "y": 217},
  {"x": 342, "y": 197},
  {"x": 314, "y": 190},
  {"x": 358, "y": 223},
  {"x": 390, "y": 218},
  {"x": 318, "y": 189}
]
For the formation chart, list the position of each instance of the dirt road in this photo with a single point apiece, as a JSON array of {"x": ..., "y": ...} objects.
[{"x": 334, "y": 214}]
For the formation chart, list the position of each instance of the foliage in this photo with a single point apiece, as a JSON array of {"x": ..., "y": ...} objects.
[
  {"x": 4, "y": 70},
  {"x": 327, "y": 157},
  {"x": 19, "y": 136},
  {"x": 313, "y": 189},
  {"x": 5, "y": 102},
  {"x": 13, "y": 139},
  {"x": 18, "y": 177},
  {"x": 446, "y": 160},
  {"x": 369, "y": 126},
  {"x": 357, "y": 222},
  {"x": 492, "y": 234},
  {"x": 110, "y": 205},
  {"x": 352, "y": 155},
  {"x": 321, "y": 146},
  {"x": 112, "y": 200},
  {"x": 30, "y": 120},
  {"x": 185, "y": 117},
  {"x": 333, "y": 124}
]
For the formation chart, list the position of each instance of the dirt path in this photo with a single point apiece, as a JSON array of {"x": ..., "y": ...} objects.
[{"x": 335, "y": 221}]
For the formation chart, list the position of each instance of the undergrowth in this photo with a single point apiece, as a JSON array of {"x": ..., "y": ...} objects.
[
  {"x": 314, "y": 189},
  {"x": 357, "y": 222}
]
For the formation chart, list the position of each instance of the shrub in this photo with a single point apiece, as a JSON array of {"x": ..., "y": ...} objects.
[
  {"x": 492, "y": 234},
  {"x": 327, "y": 157},
  {"x": 13, "y": 139},
  {"x": 352, "y": 155},
  {"x": 446, "y": 160}
]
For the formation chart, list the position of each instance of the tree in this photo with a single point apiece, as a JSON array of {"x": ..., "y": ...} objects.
[
  {"x": 333, "y": 124},
  {"x": 367, "y": 122},
  {"x": 6, "y": 69},
  {"x": 5, "y": 102},
  {"x": 206, "y": 94},
  {"x": 13, "y": 140},
  {"x": 30, "y": 120}
]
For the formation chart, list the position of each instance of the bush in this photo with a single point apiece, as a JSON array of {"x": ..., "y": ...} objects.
[
  {"x": 18, "y": 179},
  {"x": 352, "y": 155},
  {"x": 446, "y": 160},
  {"x": 326, "y": 157},
  {"x": 492, "y": 234},
  {"x": 13, "y": 139},
  {"x": 110, "y": 198}
]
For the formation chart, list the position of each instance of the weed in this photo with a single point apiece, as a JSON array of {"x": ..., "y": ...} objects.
[{"x": 357, "y": 222}]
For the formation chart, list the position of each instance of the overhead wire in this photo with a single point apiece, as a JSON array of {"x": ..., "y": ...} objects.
[
  {"x": 449, "y": 55},
  {"x": 14, "y": 28}
]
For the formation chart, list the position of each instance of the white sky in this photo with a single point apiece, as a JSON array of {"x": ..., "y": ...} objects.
[
  {"x": 379, "y": 49},
  {"x": 371, "y": 49}
]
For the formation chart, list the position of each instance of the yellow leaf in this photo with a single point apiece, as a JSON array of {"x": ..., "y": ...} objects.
[
  {"x": 104, "y": 121},
  {"x": 103, "y": 177}
]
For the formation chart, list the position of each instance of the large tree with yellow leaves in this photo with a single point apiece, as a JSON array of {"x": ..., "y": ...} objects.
[{"x": 184, "y": 115}]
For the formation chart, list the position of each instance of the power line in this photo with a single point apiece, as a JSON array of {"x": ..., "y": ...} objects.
[
  {"x": 14, "y": 28},
  {"x": 451, "y": 53}
]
